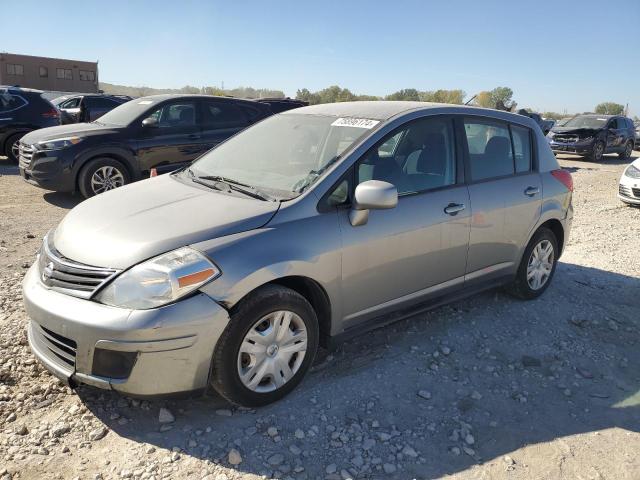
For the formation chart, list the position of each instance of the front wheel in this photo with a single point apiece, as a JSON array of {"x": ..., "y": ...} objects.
[
  {"x": 537, "y": 266},
  {"x": 12, "y": 147},
  {"x": 628, "y": 149},
  {"x": 101, "y": 175},
  {"x": 267, "y": 348}
]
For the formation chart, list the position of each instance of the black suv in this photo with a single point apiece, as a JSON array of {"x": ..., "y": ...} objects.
[
  {"x": 594, "y": 135},
  {"x": 164, "y": 132},
  {"x": 86, "y": 107},
  {"x": 21, "y": 111}
]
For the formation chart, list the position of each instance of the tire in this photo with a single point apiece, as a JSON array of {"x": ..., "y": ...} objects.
[
  {"x": 10, "y": 150},
  {"x": 597, "y": 151},
  {"x": 229, "y": 358},
  {"x": 628, "y": 149},
  {"x": 521, "y": 287},
  {"x": 94, "y": 170}
]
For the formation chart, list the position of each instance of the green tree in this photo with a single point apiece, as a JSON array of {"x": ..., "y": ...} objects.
[
  {"x": 404, "y": 94},
  {"x": 495, "y": 98},
  {"x": 443, "y": 96},
  {"x": 554, "y": 115},
  {"x": 609, "y": 108}
]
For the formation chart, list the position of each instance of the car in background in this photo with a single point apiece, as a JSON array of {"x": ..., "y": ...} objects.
[
  {"x": 86, "y": 107},
  {"x": 629, "y": 185},
  {"x": 562, "y": 121},
  {"x": 283, "y": 104},
  {"x": 22, "y": 110},
  {"x": 594, "y": 135},
  {"x": 309, "y": 227},
  {"x": 637, "y": 127},
  {"x": 544, "y": 126},
  {"x": 162, "y": 132},
  {"x": 549, "y": 123}
]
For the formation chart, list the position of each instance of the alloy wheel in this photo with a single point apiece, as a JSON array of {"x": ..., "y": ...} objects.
[
  {"x": 15, "y": 149},
  {"x": 540, "y": 265},
  {"x": 598, "y": 151},
  {"x": 272, "y": 351},
  {"x": 106, "y": 178},
  {"x": 628, "y": 149}
]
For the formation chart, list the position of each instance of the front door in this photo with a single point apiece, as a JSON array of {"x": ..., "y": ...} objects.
[
  {"x": 505, "y": 194},
  {"x": 174, "y": 140},
  {"x": 402, "y": 255}
]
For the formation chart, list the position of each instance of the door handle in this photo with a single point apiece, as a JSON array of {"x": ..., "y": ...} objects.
[
  {"x": 531, "y": 191},
  {"x": 454, "y": 208}
]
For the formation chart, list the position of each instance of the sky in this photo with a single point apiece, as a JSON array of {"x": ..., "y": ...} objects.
[{"x": 561, "y": 55}]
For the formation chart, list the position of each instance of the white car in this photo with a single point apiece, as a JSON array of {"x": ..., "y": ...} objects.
[{"x": 629, "y": 188}]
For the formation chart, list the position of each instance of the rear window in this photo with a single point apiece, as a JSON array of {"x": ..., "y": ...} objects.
[
  {"x": 10, "y": 102},
  {"x": 223, "y": 115}
]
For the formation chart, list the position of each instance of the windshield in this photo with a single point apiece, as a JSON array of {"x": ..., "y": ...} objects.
[
  {"x": 283, "y": 154},
  {"x": 586, "y": 122},
  {"x": 126, "y": 113}
]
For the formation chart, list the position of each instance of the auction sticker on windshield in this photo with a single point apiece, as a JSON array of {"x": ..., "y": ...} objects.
[{"x": 355, "y": 122}]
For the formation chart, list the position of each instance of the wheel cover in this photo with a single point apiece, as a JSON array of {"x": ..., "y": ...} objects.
[
  {"x": 15, "y": 149},
  {"x": 540, "y": 265},
  {"x": 272, "y": 351},
  {"x": 599, "y": 150},
  {"x": 106, "y": 178},
  {"x": 628, "y": 149}
]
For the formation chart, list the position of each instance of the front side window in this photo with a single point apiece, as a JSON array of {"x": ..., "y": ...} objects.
[
  {"x": 420, "y": 156},
  {"x": 522, "y": 147},
  {"x": 490, "y": 152},
  {"x": 284, "y": 154},
  {"x": 71, "y": 103},
  {"x": 223, "y": 115},
  {"x": 15, "y": 69},
  {"x": 176, "y": 115},
  {"x": 613, "y": 124}
]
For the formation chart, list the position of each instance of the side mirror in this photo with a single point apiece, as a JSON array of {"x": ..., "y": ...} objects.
[
  {"x": 150, "y": 122},
  {"x": 372, "y": 195}
]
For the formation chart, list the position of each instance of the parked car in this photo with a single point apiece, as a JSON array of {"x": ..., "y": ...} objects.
[
  {"x": 562, "y": 122},
  {"x": 22, "y": 110},
  {"x": 594, "y": 135},
  {"x": 283, "y": 104},
  {"x": 311, "y": 226},
  {"x": 629, "y": 185},
  {"x": 637, "y": 127},
  {"x": 549, "y": 123},
  {"x": 544, "y": 125},
  {"x": 163, "y": 132},
  {"x": 86, "y": 107}
]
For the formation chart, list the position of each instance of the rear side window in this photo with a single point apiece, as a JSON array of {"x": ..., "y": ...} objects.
[
  {"x": 252, "y": 113},
  {"x": 223, "y": 115},
  {"x": 175, "y": 115},
  {"x": 99, "y": 102},
  {"x": 9, "y": 103},
  {"x": 490, "y": 152},
  {"x": 522, "y": 148}
]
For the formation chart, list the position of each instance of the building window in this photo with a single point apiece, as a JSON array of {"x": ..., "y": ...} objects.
[
  {"x": 15, "y": 69},
  {"x": 44, "y": 72},
  {"x": 64, "y": 74},
  {"x": 87, "y": 76}
]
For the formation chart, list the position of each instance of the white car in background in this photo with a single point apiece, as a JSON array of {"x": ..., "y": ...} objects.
[{"x": 629, "y": 188}]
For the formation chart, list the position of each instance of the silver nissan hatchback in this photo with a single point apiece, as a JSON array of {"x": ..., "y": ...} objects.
[{"x": 308, "y": 227}]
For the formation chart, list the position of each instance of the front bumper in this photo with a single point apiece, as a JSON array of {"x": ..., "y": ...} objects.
[
  {"x": 47, "y": 169},
  {"x": 173, "y": 345},
  {"x": 574, "y": 148},
  {"x": 629, "y": 190}
]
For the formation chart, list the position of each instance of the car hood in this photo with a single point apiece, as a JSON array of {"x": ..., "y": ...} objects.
[
  {"x": 577, "y": 131},
  {"x": 122, "y": 227},
  {"x": 74, "y": 129}
]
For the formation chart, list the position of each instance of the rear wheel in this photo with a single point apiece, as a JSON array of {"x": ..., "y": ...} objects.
[
  {"x": 537, "y": 266},
  {"x": 12, "y": 147},
  {"x": 597, "y": 151},
  {"x": 266, "y": 349},
  {"x": 628, "y": 149},
  {"x": 101, "y": 175}
]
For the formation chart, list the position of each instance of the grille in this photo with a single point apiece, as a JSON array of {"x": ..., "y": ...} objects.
[
  {"x": 73, "y": 278},
  {"x": 62, "y": 347},
  {"x": 25, "y": 154},
  {"x": 565, "y": 138},
  {"x": 627, "y": 191}
]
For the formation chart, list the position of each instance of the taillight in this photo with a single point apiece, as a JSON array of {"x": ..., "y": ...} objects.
[
  {"x": 53, "y": 113},
  {"x": 565, "y": 177}
]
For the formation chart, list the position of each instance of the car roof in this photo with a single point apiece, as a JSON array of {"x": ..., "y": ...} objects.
[
  {"x": 17, "y": 89},
  {"x": 387, "y": 109},
  {"x": 169, "y": 96}
]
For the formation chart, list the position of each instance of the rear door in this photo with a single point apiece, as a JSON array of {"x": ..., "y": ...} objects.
[
  {"x": 505, "y": 193},
  {"x": 220, "y": 120},
  {"x": 174, "y": 141}
]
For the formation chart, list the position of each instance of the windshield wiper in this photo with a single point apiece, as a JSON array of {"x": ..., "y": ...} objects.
[
  {"x": 230, "y": 184},
  {"x": 311, "y": 177}
]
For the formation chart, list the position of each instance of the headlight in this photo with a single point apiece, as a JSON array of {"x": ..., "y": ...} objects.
[
  {"x": 159, "y": 281},
  {"x": 58, "y": 143},
  {"x": 632, "y": 172}
]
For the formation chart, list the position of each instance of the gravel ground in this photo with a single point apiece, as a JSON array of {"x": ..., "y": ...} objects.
[{"x": 485, "y": 388}]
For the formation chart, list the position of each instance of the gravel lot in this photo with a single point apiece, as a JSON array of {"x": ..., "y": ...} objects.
[{"x": 486, "y": 388}]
